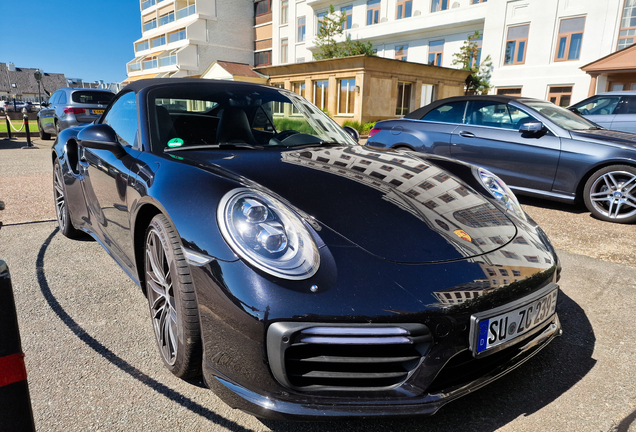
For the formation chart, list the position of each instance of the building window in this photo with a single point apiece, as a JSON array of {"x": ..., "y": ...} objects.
[
  {"x": 347, "y": 11},
  {"x": 177, "y": 36},
  {"x": 147, "y": 4},
  {"x": 447, "y": 198},
  {"x": 299, "y": 89},
  {"x": 401, "y": 52},
  {"x": 150, "y": 25},
  {"x": 521, "y": 240},
  {"x": 284, "y": 10},
  {"x": 462, "y": 191},
  {"x": 472, "y": 2},
  {"x": 262, "y": 58},
  {"x": 441, "y": 177},
  {"x": 497, "y": 240},
  {"x": 141, "y": 46},
  {"x": 263, "y": 7},
  {"x": 166, "y": 19},
  {"x": 407, "y": 175},
  {"x": 321, "y": 17},
  {"x": 509, "y": 91},
  {"x": 150, "y": 63},
  {"x": 278, "y": 107},
  {"x": 516, "y": 44},
  {"x": 283, "y": 50},
  {"x": 321, "y": 94},
  {"x": 516, "y": 273},
  {"x": 346, "y": 96},
  {"x": 403, "y": 99},
  {"x": 404, "y": 9},
  {"x": 439, "y": 5},
  {"x": 570, "y": 39},
  {"x": 158, "y": 41},
  {"x": 475, "y": 58},
  {"x": 431, "y": 204},
  {"x": 510, "y": 255},
  {"x": 426, "y": 185},
  {"x": 532, "y": 259},
  {"x": 560, "y": 95},
  {"x": 373, "y": 12},
  {"x": 627, "y": 30},
  {"x": 435, "y": 52},
  {"x": 301, "y": 29},
  {"x": 503, "y": 272}
]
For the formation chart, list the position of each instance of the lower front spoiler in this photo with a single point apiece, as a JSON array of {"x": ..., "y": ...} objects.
[{"x": 308, "y": 407}]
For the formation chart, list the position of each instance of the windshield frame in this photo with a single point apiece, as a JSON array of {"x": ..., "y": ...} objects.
[{"x": 540, "y": 106}]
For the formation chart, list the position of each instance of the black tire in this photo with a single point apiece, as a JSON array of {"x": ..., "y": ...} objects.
[
  {"x": 610, "y": 194},
  {"x": 172, "y": 301},
  {"x": 64, "y": 221},
  {"x": 43, "y": 135}
]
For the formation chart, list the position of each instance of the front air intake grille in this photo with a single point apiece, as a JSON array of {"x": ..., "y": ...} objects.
[{"x": 346, "y": 357}]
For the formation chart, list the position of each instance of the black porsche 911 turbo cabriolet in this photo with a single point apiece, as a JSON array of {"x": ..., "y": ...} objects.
[{"x": 303, "y": 275}]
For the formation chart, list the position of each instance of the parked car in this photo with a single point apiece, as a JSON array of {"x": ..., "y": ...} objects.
[
  {"x": 69, "y": 107},
  {"x": 17, "y": 106},
  {"x": 306, "y": 276},
  {"x": 611, "y": 110},
  {"x": 536, "y": 147}
]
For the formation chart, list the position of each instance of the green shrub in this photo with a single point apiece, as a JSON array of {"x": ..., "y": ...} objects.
[
  {"x": 301, "y": 126},
  {"x": 363, "y": 129}
]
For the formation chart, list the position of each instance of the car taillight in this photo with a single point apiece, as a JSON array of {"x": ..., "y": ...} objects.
[
  {"x": 69, "y": 110},
  {"x": 373, "y": 132}
]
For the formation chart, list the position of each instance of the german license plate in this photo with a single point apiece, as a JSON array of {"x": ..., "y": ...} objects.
[
  {"x": 495, "y": 329},
  {"x": 100, "y": 111}
]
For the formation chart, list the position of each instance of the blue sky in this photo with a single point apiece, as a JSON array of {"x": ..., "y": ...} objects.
[{"x": 87, "y": 39}]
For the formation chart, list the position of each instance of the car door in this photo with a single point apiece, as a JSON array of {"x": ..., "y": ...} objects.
[
  {"x": 600, "y": 109},
  {"x": 625, "y": 115},
  {"x": 106, "y": 181},
  {"x": 490, "y": 138},
  {"x": 47, "y": 121}
]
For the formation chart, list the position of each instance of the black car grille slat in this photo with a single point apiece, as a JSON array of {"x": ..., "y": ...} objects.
[{"x": 347, "y": 357}]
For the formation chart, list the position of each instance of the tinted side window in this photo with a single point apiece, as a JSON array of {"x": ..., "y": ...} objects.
[
  {"x": 447, "y": 113},
  {"x": 601, "y": 105},
  {"x": 54, "y": 98},
  {"x": 627, "y": 106},
  {"x": 496, "y": 114},
  {"x": 62, "y": 98},
  {"x": 122, "y": 117}
]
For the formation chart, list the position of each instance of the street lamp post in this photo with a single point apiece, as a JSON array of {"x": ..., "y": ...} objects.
[{"x": 38, "y": 78}]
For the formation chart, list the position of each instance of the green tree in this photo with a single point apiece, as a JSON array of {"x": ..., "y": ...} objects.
[
  {"x": 330, "y": 29},
  {"x": 480, "y": 70}
]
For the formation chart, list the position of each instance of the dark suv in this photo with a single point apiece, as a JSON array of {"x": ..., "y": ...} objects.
[{"x": 69, "y": 107}]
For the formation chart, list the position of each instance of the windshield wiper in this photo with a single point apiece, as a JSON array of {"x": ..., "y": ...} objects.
[{"x": 213, "y": 146}]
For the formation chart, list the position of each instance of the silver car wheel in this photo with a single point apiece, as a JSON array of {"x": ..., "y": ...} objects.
[
  {"x": 161, "y": 297},
  {"x": 612, "y": 195},
  {"x": 58, "y": 195}
]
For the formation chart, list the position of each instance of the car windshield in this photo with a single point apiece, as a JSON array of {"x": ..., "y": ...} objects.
[
  {"x": 189, "y": 116},
  {"x": 562, "y": 117},
  {"x": 92, "y": 97}
]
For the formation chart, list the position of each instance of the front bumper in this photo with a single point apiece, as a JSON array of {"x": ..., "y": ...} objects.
[{"x": 301, "y": 406}]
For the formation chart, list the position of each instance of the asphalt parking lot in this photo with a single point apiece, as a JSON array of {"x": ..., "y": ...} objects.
[{"x": 93, "y": 365}]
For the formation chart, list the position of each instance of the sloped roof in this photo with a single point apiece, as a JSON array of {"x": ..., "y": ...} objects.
[
  {"x": 25, "y": 82},
  {"x": 239, "y": 69},
  {"x": 619, "y": 61}
]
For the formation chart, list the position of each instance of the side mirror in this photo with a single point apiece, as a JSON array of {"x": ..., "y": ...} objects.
[
  {"x": 354, "y": 133},
  {"x": 532, "y": 127},
  {"x": 44, "y": 104},
  {"x": 101, "y": 137}
]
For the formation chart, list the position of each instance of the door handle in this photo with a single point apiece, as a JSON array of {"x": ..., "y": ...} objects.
[{"x": 467, "y": 134}]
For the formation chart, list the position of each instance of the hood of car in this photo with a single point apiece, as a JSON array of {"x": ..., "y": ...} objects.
[
  {"x": 396, "y": 207},
  {"x": 609, "y": 136}
]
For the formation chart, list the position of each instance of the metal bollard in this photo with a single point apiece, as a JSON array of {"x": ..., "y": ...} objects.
[
  {"x": 16, "y": 413},
  {"x": 6, "y": 119},
  {"x": 25, "y": 117}
]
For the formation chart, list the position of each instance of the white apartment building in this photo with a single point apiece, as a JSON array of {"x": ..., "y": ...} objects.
[
  {"x": 184, "y": 37},
  {"x": 537, "y": 47}
]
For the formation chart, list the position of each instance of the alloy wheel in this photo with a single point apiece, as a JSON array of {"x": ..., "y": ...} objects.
[
  {"x": 613, "y": 194},
  {"x": 161, "y": 297},
  {"x": 59, "y": 197}
]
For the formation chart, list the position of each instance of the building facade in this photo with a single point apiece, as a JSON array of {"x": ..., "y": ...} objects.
[
  {"x": 184, "y": 37},
  {"x": 537, "y": 47}
]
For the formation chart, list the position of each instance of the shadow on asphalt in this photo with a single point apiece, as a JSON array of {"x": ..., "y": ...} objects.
[
  {"x": 527, "y": 389},
  {"x": 577, "y": 208},
  {"x": 7, "y": 144}
]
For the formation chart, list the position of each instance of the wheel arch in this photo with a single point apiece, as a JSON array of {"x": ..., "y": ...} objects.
[
  {"x": 145, "y": 214},
  {"x": 581, "y": 185}
]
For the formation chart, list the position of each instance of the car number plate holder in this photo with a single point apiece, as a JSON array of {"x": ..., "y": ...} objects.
[
  {"x": 496, "y": 329},
  {"x": 97, "y": 111}
]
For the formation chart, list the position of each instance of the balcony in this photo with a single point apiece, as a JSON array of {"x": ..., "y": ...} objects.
[
  {"x": 166, "y": 19},
  {"x": 186, "y": 11},
  {"x": 150, "y": 25},
  {"x": 145, "y": 5}
]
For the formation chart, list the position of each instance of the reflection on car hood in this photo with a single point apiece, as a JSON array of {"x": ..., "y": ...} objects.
[
  {"x": 397, "y": 207},
  {"x": 611, "y": 136}
]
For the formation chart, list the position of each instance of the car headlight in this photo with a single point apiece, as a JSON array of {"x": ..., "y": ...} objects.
[
  {"x": 267, "y": 234},
  {"x": 498, "y": 189}
]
